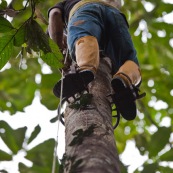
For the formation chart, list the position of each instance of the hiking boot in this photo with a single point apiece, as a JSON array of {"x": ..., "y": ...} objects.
[
  {"x": 125, "y": 84},
  {"x": 73, "y": 83}
]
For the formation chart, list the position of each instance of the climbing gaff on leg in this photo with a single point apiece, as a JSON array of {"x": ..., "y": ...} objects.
[
  {"x": 73, "y": 83},
  {"x": 117, "y": 116},
  {"x": 125, "y": 84},
  {"x": 87, "y": 59}
]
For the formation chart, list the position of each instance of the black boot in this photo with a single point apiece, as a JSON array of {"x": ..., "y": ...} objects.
[
  {"x": 73, "y": 83},
  {"x": 125, "y": 84}
]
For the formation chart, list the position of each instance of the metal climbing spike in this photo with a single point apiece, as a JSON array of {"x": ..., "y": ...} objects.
[
  {"x": 67, "y": 99},
  {"x": 82, "y": 92},
  {"x": 118, "y": 120},
  {"x": 87, "y": 90},
  {"x": 74, "y": 97},
  {"x": 117, "y": 116}
]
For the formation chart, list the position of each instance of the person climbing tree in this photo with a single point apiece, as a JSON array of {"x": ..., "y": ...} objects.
[{"x": 94, "y": 26}]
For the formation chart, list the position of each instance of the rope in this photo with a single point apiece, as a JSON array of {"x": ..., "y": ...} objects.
[{"x": 59, "y": 115}]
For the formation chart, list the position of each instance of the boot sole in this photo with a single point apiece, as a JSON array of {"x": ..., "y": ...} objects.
[
  {"x": 73, "y": 83},
  {"x": 124, "y": 99}
]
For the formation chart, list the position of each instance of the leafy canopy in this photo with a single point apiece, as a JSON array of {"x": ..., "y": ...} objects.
[{"x": 24, "y": 37}]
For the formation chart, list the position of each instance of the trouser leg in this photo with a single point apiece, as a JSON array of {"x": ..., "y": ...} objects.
[
  {"x": 87, "y": 54},
  {"x": 87, "y": 59}
]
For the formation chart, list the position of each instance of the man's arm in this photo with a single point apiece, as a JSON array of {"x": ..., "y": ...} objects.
[{"x": 56, "y": 25}]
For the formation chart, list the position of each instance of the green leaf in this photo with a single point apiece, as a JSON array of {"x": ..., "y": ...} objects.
[
  {"x": 42, "y": 154},
  {"x": 34, "y": 169},
  {"x": 159, "y": 140},
  {"x": 37, "y": 38},
  {"x": 19, "y": 91},
  {"x": 6, "y": 26},
  {"x": 3, "y": 171},
  {"x": 141, "y": 142},
  {"x": 47, "y": 97},
  {"x": 17, "y": 4},
  {"x": 38, "y": 1},
  {"x": 123, "y": 168},
  {"x": 3, "y": 5},
  {"x": 52, "y": 60},
  {"x": 167, "y": 156},
  {"x": 5, "y": 156},
  {"x": 150, "y": 168},
  {"x": 42, "y": 157},
  {"x": 13, "y": 138},
  {"x": 20, "y": 36},
  {"x": 34, "y": 134},
  {"x": 55, "y": 49},
  {"x": 165, "y": 169},
  {"x": 6, "y": 49}
]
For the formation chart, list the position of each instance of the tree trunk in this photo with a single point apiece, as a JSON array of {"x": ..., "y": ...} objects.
[{"x": 90, "y": 143}]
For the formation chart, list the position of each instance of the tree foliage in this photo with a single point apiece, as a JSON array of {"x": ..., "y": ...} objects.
[{"x": 25, "y": 49}]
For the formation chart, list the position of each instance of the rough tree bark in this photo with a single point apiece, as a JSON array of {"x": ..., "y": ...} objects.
[{"x": 90, "y": 143}]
